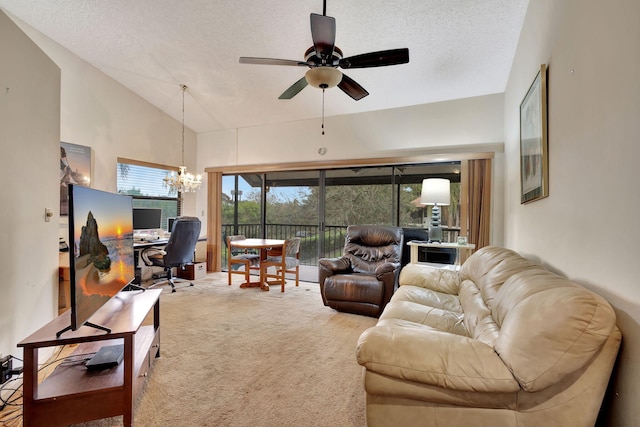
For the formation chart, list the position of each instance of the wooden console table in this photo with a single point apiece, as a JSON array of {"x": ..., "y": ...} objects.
[{"x": 71, "y": 394}]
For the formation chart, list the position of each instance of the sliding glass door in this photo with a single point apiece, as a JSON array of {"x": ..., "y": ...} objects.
[
  {"x": 355, "y": 196},
  {"x": 318, "y": 205},
  {"x": 291, "y": 210},
  {"x": 241, "y": 208}
]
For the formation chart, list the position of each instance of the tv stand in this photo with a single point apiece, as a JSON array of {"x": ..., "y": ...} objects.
[{"x": 70, "y": 395}]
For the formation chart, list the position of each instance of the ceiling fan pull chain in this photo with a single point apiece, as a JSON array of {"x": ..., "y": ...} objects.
[{"x": 323, "y": 111}]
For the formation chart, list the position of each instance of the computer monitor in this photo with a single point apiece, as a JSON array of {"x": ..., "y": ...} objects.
[
  {"x": 170, "y": 222},
  {"x": 147, "y": 218}
]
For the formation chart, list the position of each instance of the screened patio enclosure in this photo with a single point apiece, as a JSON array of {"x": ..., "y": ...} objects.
[{"x": 318, "y": 205}]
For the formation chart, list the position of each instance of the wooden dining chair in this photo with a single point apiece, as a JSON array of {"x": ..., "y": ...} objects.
[
  {"x": 235, "y": 260},
  {"x": 285, "y": 261}
]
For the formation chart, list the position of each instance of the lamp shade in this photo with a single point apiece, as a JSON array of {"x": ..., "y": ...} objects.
[
  {"x": 435, "y": 191},
  {"x": 323, "y": 77}
]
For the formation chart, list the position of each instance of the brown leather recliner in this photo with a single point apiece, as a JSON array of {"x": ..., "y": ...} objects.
[{"x": 363, "y": 280}]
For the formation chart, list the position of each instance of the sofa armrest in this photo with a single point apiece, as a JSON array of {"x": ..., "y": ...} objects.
[
  {"x": 388, "y": 273},
  {"x": 413, "y": 352},
  {"x": 328, "y": 267},
  {"x": 335, "y": 265},
  {"x": 436, "y": 279}
]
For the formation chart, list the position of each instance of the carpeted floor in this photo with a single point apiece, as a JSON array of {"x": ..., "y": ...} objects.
[{"x": 244, "y": 357}]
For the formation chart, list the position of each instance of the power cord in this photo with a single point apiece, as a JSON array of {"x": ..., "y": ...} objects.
[
  {"x": 14, "y": 411},
  {"x": 11, "y": 416},
  {"x": 11, "y": 408},
  {"x": 7, "y": 373},
  {"x": 8, "y": 401}
]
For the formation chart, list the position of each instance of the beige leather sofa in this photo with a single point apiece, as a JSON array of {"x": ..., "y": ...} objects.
[{"x": 504, "y": 342}]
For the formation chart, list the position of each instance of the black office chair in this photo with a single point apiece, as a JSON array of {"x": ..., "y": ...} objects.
[{"x": 178, "y": 251}]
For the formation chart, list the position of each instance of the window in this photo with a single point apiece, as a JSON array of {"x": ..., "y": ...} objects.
[{"x": 144, "y": 183}]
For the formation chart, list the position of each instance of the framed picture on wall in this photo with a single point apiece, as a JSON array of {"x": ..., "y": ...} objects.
[
  {"x": 534, "y": 163},
  {"x": 75, "y": 168}
]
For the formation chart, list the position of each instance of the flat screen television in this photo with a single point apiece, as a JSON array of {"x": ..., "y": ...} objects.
[
  {"x": 147, "y": 218},
  {"x": 101, "y": 255}
]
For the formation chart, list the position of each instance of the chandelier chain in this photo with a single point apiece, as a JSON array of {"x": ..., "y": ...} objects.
[
  {"x": 184, "y": 89},
  {"x": 182, "y": 182}
]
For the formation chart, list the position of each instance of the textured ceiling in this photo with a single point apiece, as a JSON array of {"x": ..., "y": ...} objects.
[{"x": 457, "y": 49}]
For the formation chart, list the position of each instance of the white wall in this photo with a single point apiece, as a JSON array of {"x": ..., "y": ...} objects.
[
  {"x": 97, "y": 111},
  {"x": 30, "y": 138},
  {"x": 90, "y": 109},
  {"x": 382, "y": 133},
  {"x": 586, "y": 228}
]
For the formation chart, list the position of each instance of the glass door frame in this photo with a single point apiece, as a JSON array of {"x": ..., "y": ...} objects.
[{"x": 214, "y": 226}]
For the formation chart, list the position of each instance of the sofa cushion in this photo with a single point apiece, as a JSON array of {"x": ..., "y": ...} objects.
[
  {"x": 428, "y": 297},
  {"x": 477, "y": 317},
  {"x": 442, "y": 320},
  {"x": 402, "y": 349},
  {"x": 437, "y": 279},
  {"x": 489, "y": 267},
  {"x": 549, "y": 327}
]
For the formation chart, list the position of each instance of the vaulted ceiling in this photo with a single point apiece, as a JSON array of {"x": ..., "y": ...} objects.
[{"x": 457, "y": 49}]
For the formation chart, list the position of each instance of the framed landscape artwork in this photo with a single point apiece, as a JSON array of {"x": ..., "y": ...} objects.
[
  {"x": 75, "y": 168},
  {"x": 534, "y": 163}
]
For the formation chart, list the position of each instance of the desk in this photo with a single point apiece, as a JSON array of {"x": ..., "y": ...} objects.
[
  {"x": 417, "y": 244},
  {"x": 139, "y": 245},
  {"x": 263, "y": 245}
]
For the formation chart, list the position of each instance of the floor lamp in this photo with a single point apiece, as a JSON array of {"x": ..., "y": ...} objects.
[{"x": 435, "y": 192}]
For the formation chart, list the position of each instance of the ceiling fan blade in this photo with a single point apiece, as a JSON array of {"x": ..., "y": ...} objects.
[
  {"x": 271, "y": 61},
  {"x": 352, "y": 88},
  {"x": 323, "y": 32},
  {"x": 376, "y": 59},
  {"x": 294, "y": 89}
]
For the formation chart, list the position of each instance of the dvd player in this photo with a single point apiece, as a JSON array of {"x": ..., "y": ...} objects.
[{"x": 107, "y": 357}]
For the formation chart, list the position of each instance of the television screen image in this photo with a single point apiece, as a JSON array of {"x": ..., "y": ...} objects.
[{"x": 102, "y": 256}]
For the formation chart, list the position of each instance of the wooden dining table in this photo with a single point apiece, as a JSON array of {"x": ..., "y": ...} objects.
[{"x": 263, "y": 245}]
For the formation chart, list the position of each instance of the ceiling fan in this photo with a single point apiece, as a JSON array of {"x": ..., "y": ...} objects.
[{"x": 324, "y": 58}]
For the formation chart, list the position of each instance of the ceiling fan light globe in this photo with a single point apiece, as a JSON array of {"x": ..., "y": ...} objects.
[{"x": 323, "y": 77}]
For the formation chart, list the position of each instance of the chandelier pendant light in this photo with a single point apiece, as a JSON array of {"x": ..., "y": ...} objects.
[{"x": 182, "y": 181}]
